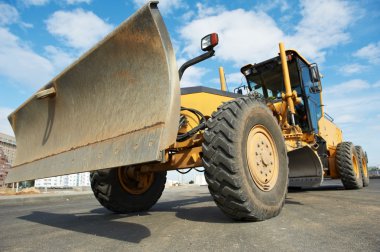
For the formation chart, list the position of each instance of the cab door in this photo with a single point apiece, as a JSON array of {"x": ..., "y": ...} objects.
[{"x": 311, "y": 90}]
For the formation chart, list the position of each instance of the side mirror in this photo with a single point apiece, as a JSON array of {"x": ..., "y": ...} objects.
[
  {"x": 315, "y": 78},
  {"x": 314, "y": 73},
  {"x": 209, "y": 42}
]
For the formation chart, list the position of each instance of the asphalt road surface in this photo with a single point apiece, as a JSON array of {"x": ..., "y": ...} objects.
[{"x": 186, "y": 219}]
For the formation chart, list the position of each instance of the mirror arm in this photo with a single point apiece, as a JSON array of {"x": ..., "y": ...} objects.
[{"x": 194, "y": 61}]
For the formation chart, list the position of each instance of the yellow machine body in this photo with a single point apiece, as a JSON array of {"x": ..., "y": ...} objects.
[{"x": 120, "y": 105}]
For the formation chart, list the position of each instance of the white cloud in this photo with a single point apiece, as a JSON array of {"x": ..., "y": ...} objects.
[
  {"x": 192, "y": 76},
  {"x": 352, "y": 102},
  {"x": 346, "y": 119},
  {"x": 355, "y": 85},
  {"x": 352, "y": 69},
  {"x": 283, "y": 5},
  {"x": 59, "y": 58},
  {"x": 78, "y": 28},
  {"x": 8, "y": 14},
  {"x": 78, "y": 1},
  {"x": 370, "y": 52},
  {"x": 235, "y": 79},
  {"x": 5, "y": 127},
  {"x": 35, "y": 2},
  {"x": 361, "y": 106},
  {"x": 20, "y": 63},
  {"x": 354, "y": 111},
  {"x": 205, "y": 11},
  {"x": 241, "y": 42},
  {"x": 251, "y": 36},
  {"x": 376, "y": 85},
  {"x": 323, "y": 25},
  {"x": 165, "y": 6}
]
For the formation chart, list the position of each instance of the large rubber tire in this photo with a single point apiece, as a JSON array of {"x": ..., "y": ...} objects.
[
  {"x": 227, "y": 173},
  {"x": 347, "y": 163},
  {"x": 110, "y": 193},
  {"x": 363, "y": 165}
]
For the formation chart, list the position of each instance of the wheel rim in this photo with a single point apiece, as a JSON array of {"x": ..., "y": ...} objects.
[
  {"x": 134, "y": 181},
  {"x": 355, "y": 166},
  {"x": 262, "y": 158},
  {"x": 364, "y": 166}
]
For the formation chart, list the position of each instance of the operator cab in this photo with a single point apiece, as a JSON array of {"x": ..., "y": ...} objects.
[{"x": 266, "y": 80}]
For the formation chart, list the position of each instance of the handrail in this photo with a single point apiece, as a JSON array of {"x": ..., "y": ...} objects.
[{"x": 329, "y": 117}]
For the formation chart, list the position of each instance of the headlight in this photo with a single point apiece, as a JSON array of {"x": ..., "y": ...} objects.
[
  {"x": 209, "y": 42},
  {"x": 247, "y": 71}
]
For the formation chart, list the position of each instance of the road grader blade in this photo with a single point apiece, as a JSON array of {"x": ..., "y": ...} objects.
[{"x": 117, "y": 105}]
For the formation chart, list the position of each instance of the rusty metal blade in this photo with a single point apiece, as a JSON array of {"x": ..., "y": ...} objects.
[
  {"x": 117, "y": 105},
  {"x": 305, "y": 168}
]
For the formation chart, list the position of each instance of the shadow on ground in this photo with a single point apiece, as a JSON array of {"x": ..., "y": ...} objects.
[
  {"x": 187, "y": 209},
  {"x": 98, "y": 222},
  {"x": 103, "y": 223},
  {"x": 320, "y": 188}
]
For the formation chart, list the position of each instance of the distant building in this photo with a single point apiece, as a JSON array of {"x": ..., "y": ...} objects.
[
  {"x": 374, "y": 173},
  {"x": 72, "y": 180},
  {"x": 170, "y": 182},
  {"x": 7, "y": 155},
  {"x": 8, "y": 148},
  {"x": 8, "y": 145},
  {"x": 200, "y": 179},
  {"x": 4, "y": 167}
]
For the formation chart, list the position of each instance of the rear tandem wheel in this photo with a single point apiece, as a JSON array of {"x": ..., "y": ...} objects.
[
  {"x": 347, "y": 163},
  {"x": 363, "y": 165}
]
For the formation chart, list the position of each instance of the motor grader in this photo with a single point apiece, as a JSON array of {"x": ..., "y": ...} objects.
[{"x": 118, "y": 112}]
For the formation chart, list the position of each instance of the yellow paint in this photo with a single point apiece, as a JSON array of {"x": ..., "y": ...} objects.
[
  {"x": 285, "y": 72},
  {"x": 333, "y": 171},
  {"x": 262, "y": 158},
  {"x": 299, "y": 55},
  {"x": 322, "y": 106},
  {"x": 129, "y": 175},
  {"x": 294, "y": 138},
  {"x": 185, "y": 158},
  {"x": 329, "y": 132},
  {"x": 222, "y": 78},
  {"x": 333, "y": 136},
  {"x": 204, "y": 102},
  {"x": 364, "y": 166}
]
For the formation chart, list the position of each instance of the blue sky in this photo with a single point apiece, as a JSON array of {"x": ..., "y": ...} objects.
[{"x": 39, "y": 38}]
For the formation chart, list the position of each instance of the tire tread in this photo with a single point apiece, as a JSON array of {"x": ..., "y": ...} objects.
[
  {"x": 344, "y": 153},
  {"x": 219, "y": 153}
]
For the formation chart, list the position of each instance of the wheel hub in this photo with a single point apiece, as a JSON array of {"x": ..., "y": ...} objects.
[
  {"x": 355, "y": 165},
  {"x": 262, "y": 158},
  {"x": 133, "y": 180},
  {"x": 364, "y": 166}
]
